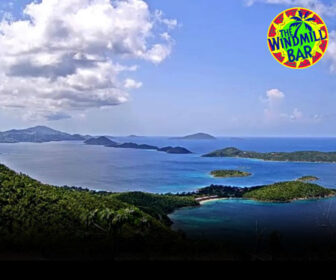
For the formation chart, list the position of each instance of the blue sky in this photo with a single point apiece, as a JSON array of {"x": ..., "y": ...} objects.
[{"x": 218, "y": 78}]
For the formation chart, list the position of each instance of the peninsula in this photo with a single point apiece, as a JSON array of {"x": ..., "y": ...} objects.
[
  {"x": 289, "y": 191},
  {"x": 104, "y": 141},
  {"x": 278, "y": 192},
  {"x": 301, "y": 156}
]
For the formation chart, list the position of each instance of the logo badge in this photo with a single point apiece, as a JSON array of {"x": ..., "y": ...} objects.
[{"x": 298, "y": 38}]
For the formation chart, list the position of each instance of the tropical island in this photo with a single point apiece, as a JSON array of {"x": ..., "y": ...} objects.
[
  {"x": 300, "y": 156},
  {"x": 196, "y": 136},
  {"x": 42, "y": 134},
  {"x": 308, "y": 178},
  {"x": 229, "y": 173},
  {"x": 100, "y": 141},
  {"x": 104, "y": 141},
  {"x": 174, "y": 150},
  {"x": 38, "y": 134},
  {"x": 131, "y": 145}
]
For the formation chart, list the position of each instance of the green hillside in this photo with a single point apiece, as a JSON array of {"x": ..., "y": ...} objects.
[
  {"x": 287, "y": 191},
  {"x": 305, "y": 156},
  {"x": 44, "y": 218}
]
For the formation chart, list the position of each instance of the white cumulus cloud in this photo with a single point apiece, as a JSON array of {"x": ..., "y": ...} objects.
[
  {"x": 276, "y": 112},
  {"x": 131, "y": 84},
  {"x": 273, "y": 102},
  {"x": 274, "y": 96},
  {"x": 68, "y": 55}
]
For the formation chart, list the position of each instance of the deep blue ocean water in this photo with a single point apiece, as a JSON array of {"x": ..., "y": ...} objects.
[
  {"x": 299, "y": 223},
  {"x": 101, "y": 168}
]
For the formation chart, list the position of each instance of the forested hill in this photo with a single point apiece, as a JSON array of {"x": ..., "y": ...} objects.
[
  {"x": 37, "y": 134},
  {"x": 62, "y": 220},
  {"x": 303, "y": 156}
]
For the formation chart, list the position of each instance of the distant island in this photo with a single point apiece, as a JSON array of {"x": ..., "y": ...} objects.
[
  {"x": 100, "y": 141},
  {"x": 229, "y": 173},
  {"x": 104, "y": 141},
  {"x": 38, "y": 134},
  {"x": 302, "y": 156},
  {"x": 136, "y": 146},
  {"x": 174, "y": 150},
  {"x": 197, "y": 136},
  {"x": 278, "y": 192},
  {"x": 307, "y": 178}
]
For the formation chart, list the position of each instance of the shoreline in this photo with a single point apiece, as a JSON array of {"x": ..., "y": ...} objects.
[
  {"x": 204, "y": 201},
  {"x": 201, "y": 202},
  {"x": 208, "y": 200},
  {"x": 225, "y": 177},
  {"x": 270, "y": 160},
  {"x": 294, "y": 199}
]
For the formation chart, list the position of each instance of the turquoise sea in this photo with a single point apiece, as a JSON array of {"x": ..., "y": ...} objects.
[
  {"x": 248, "y": 223},
  {"x": 101, "y": 168}
]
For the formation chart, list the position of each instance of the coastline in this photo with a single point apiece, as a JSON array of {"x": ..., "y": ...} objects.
[
  {"x": 268, "y": 201},
  {"x": 206, "y": 200},
  {"x": 225, "y": 177},
  {"x": 270, "y": 160},
  {"x": 201, "y": 202},
  {"x": 294, "y": 199}
]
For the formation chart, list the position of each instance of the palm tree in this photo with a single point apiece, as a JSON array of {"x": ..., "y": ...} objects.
[
  {"x": 301, "y": 20},
  {"x": 106, "y": 217}
]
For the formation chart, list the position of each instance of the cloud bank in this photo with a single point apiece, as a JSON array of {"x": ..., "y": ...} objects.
[{"x": 67, "y": 56}]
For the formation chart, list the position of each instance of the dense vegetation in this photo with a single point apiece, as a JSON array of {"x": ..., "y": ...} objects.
[
  {"x": 229, "y": 173},
  {"x": 288, "y": 191},
  {"x": 308, "y": 156},
  {"x": 221, "y": 191},
  {"x": 307, "y": 178},
  {"x": 44, "y": 218},
  {"x": 62, "y": 222},
  {"x": 157, "y": 206},
  {"x": 278, "y": 192}
]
